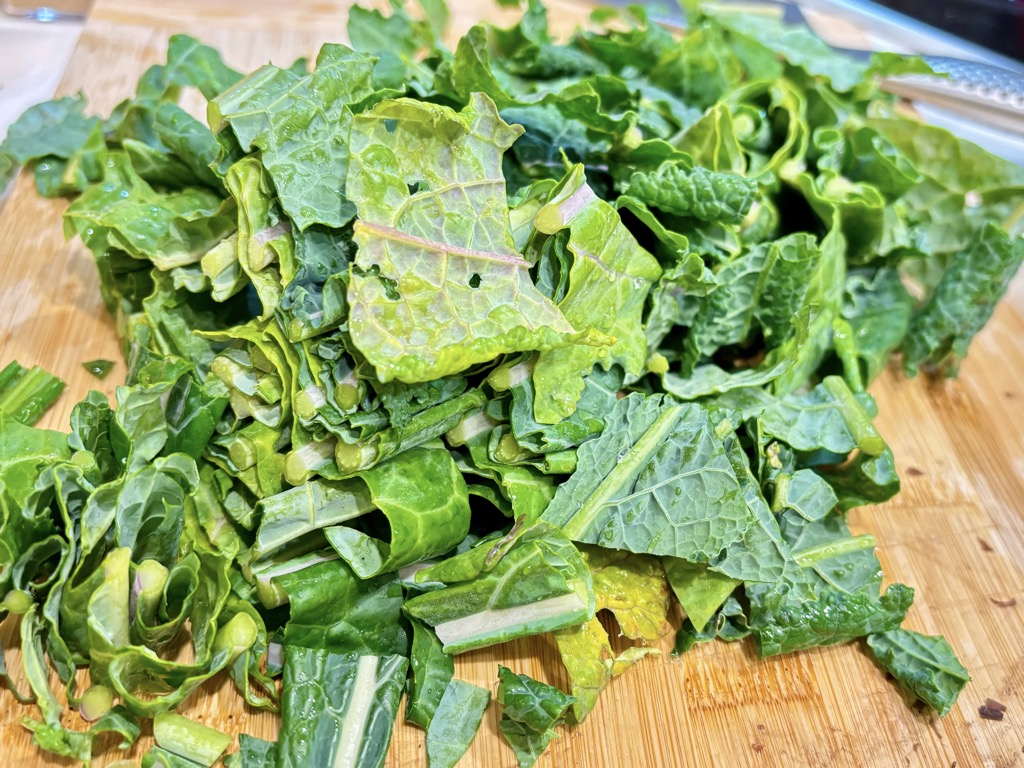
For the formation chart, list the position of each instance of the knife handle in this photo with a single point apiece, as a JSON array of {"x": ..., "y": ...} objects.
[{"x": 982, "y": 92}]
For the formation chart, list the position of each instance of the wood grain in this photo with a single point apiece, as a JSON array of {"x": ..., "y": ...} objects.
[{"x": 956, "y": 532}]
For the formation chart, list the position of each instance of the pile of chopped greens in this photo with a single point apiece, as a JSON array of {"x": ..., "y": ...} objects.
[{"x": 430, "y": 349}]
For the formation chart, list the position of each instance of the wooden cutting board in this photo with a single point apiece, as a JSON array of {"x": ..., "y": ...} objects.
[{"x": 956, "y": 532}]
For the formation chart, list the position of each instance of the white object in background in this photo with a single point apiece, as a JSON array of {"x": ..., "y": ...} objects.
[
  {"x": 46, "y": 10},
  {"x": 34, "y": 58}
]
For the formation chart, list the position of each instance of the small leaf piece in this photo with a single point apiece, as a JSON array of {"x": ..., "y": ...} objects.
[
  {"x": 697, "y": 192},
  {"x": 457, "y": 720},
  {"x": 531, "y": 710},
  {"x": 923, "y": 664}
]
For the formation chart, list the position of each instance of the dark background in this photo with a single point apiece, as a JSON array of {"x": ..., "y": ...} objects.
[{"x": 995, "y": 24}]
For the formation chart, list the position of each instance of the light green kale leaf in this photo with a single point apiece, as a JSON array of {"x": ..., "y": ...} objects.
[
  {"x": 687, "y": 191},
  {"x": 599, "y": 394},
  {"x": 438, "y": 284},
  {"x": 864, "y": 480},
  {"x": 264, "y": 237},
  {"x": 938, "y": 154},
  {"x": 700, "y": 591},
  {"x": 527, "y": 744},
  {"x": 49, "y": 734},
  {"x": 170, "y": 229},
  {"x": 766, "y": 286},
  {"x": 420, "y": 493},
  {"x": 525, "y": 700},
  {"x": 709, "y": 379},
  {"x": 527, "y": 490},
  {"x": 189, "y": 63},
  {"x": 833, "y": 618},
  {"x": 761, "y": 556},
  {"x": 713, "y": 143},
  {"x": 332, "y": 608},
  {"x": 805, "y": 492},
  {"x": 396, "y": 40},
  {"x": 167, "y": 146},
  {"x": 423, "y": 496},
  {"x": 830, "y": 416},
  {"x": 962, "y": 188},
  {"x": 729, "y": 623},
  {"x": 302, "y": 123},
  {"x": 56, "y": 128},
  {"x": 761, "y": 36},
  {"x": 700, "y": 67},
  {"x": 314, "y": 300},
  {"x": 610, "y": 278}
]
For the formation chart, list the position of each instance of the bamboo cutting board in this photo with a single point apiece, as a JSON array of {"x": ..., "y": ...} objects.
[{"x": 956, "y": 532}]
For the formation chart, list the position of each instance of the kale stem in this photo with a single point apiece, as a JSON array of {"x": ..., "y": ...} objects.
[
  {"x": 812, "y": 555},
  {"x": 25, "y": 395},
  {"x": 857, "y": 421}
]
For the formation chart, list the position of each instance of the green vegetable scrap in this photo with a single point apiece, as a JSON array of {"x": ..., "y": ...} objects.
[
  {"x": 27, "y": 393},
  {"x": 189, "y": 739},
  {"x": 456, "y": 722},
  {"x": 99, "y": 368},
  {"x": 252, "y": 752},
  {"x": 925, "y": 665},
  {"x": 634, "y": 589},
  {"x": 430, "y": 348},
  {"x": 530, "y": 712},
  {"x": 532, "y": 580}
]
